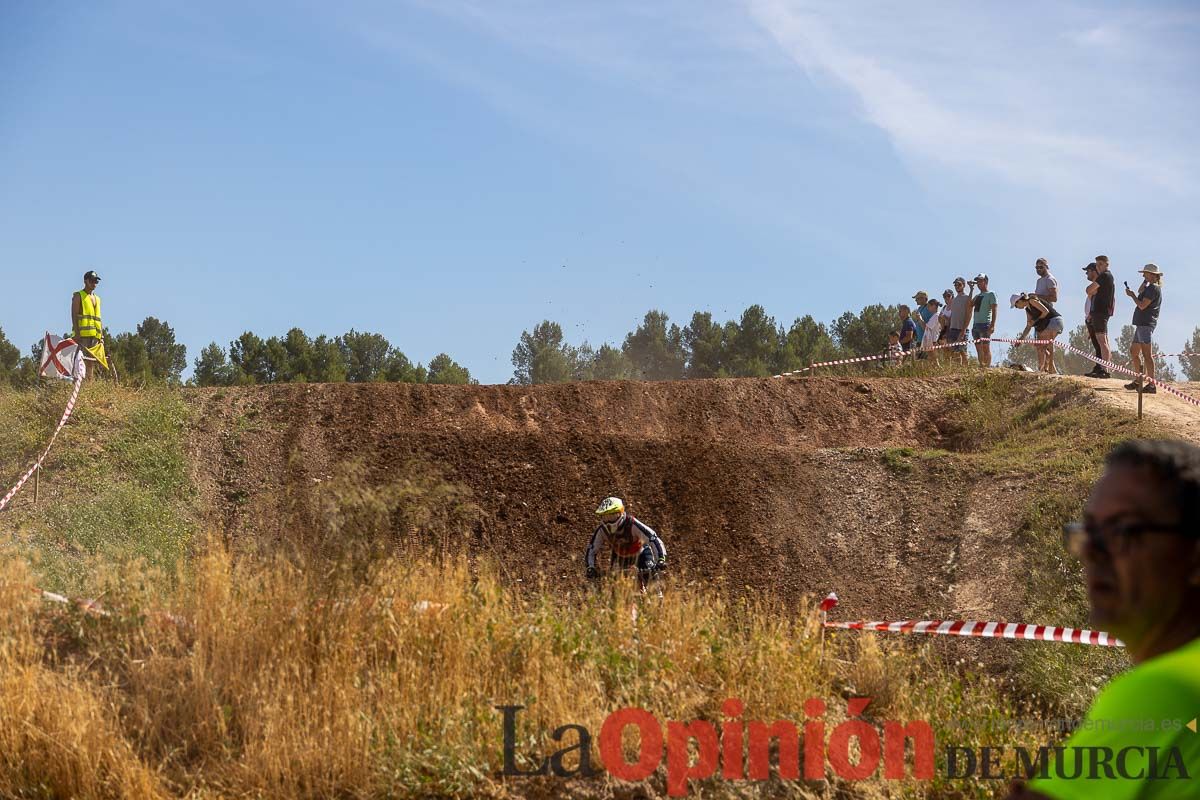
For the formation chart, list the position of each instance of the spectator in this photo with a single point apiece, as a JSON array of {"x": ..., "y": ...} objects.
[
  {"x": 908, "y": 329},
  {"x": 921, "y": 315},
  {"x": 1047, "y": 284},
  {"x": 86, "y": 328},
  {"x": 1098, "y": 371},
  {"x": 1103, "y": 304},
  {"x": 947, "y": 296},
  {"x": 984, "y": 321},
  {"x": 933, "y": 329},
  {"x": 960, "y": 317},
  {"x": 1139, "y": 542},
  {"x": 895, "y": 353},
  {"x": 1041, "y": 316},
  {"x": 1145, "y": 317}
]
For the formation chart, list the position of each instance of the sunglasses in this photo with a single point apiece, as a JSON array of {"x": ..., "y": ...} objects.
[{"x": 1115, "y": 540}]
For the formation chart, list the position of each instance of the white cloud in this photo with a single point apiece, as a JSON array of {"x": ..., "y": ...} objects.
[
  {"x": 969, "y": 94},
  {"x": 1098, "y": 36},
  {"x": 1057, "y": 101}
]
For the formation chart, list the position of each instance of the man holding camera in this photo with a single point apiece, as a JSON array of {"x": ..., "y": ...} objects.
[
  {"x": 1148, "y": 300},
  {"x": 984, "y": 321}
]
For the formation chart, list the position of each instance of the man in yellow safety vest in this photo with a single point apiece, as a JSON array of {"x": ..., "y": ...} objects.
[{"x": 86, "y": 327}]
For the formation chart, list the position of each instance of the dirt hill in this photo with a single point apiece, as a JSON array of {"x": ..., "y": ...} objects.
[{"x": 784, "y": 486}]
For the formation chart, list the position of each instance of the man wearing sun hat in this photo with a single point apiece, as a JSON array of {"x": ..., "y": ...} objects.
[
  {"x": 1145, "y": 316},
  {"x": 921, "y": 315},
  {"x": 984, "y": 320}
]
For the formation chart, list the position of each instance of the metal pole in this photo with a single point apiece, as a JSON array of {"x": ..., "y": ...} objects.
[{"x": 1139, "y": 391}]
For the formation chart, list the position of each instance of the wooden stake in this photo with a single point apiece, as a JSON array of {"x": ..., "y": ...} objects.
[
  {"x": 824, "y": 617},
  {"x": 1139, "y": 381},
  {"x": 37, "y": 473}
]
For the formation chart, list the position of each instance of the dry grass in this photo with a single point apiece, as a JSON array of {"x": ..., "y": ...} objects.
[
  {"x": 359, "y": 657},
  {"x": 272, "y": 685}
]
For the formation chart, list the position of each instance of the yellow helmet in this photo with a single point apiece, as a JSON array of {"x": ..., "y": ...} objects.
[{"x": 611, "y": 512}]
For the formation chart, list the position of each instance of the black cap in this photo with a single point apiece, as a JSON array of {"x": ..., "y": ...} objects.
[{"x": 91, "y": 275}]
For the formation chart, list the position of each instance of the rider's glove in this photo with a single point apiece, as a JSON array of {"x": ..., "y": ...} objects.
[{"x": 592, "y": 572}]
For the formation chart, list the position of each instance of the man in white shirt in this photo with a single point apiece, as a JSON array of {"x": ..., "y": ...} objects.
[{"x": 933, "y": 328}]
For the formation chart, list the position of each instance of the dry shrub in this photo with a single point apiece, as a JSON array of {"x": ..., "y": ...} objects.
[
  {"x": 879, "y": 674},
  {"x": 59, "y": 733},
  {"x": 352, "y": 521},
  {"x": 371, "y": 665}
]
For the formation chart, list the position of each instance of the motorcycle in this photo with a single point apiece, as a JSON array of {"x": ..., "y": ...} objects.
[{"x": 648, "y": 581}]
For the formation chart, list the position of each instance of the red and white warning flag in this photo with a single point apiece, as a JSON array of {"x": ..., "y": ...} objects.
[
  {"x": 829, "y": 602},
  {"x": 60, "y": 357}
]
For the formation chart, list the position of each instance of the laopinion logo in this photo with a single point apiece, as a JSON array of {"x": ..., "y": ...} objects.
[
  {"x": 855, "y": 749},
  {"x": 740, "y": 749}
]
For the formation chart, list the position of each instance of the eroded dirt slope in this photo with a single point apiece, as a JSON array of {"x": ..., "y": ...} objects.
[{"x": 771, "y": 485}]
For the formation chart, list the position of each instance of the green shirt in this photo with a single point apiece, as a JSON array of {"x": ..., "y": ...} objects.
[
  {"x": 1147, "y": 707},
  {"x": 984, "y": 313}
]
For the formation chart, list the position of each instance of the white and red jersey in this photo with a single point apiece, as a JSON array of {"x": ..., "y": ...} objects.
[{"x": 630, "y": 539}]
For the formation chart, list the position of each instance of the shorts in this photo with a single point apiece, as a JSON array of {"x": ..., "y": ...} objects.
[
  {"x": 1099, "y": 325},
  {"x": 956, "y": 335},
  {"x": 1141, "y": 334},
  {"x": 1053, "y": 327},
  {"x": 86, "y": 343},
  {"x": 980, "y": 330}
]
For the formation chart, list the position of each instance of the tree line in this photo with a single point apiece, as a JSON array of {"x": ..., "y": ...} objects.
[
  {"x": 355, "y": 357},
  {"x": 753, "y": 345},
  {"x": 150, "y": 355},
  {"x": 146, "y": 355}
]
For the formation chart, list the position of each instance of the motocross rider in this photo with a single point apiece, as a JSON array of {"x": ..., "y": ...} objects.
[{"x": 628, "y": 542}]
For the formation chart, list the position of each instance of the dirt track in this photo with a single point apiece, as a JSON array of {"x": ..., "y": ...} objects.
[
  {"x": 1172, "y": 412},
  {"x": 775, "y": 485}
]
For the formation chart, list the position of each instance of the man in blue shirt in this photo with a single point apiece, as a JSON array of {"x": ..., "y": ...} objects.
[
  {"x": 908, "y": 330},
  {"x": 984, "y": 320},
  {"x": 921, "y": 318},
  {"x": 1145, "y": 317}
]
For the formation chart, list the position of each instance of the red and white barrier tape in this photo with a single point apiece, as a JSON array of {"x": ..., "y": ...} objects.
[
  {"x": 908, "y": 353},
  {"x": 87, "y": 606},
  {"x": 1062, "y": 345},
  {"x": 986, "y": 630},
  {"x": 1118, "y": 368},
  {"x": 79, "y": 374},
  {"x": 983, "y": 630}
]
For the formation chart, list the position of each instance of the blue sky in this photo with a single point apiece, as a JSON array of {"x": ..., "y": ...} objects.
[{"x": 450, "y": 173}]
